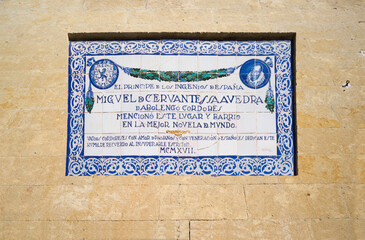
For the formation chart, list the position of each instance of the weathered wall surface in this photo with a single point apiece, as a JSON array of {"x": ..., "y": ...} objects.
[{"x": 325, "y": 201}]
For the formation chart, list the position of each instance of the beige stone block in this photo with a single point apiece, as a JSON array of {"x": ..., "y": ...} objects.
[
  {"x": 317, "y": 117},
  {"x": 156, "y": 4},
  {"x": 55, "y": 98},
  {"x": 338, "y": 229},
  {"x": 94, "y": 5},
  {"x": 38, "y": 171},
  {"x": 253, "y": 27},
  {"x": 332, "y": 34},
  {"x": 6, "y": 116},
  {"x": 18, "y": 47},
  {"x": 331, "y": 96},
  {"x": 341, "y": 5},
  {"x": 28, "y": 63},
  {"x": 10, "y": 144},
  {"x": 182, "y": 180},
  {"x": 295, "y": 201},
  {"x": 354, "y": 75},
  {"x": 202, "y": 202},
  {"x": 229, "y": 4},
  {"x": 12, "y": 98},
  {"x": 99, "y": 17},
  {"x": 318, "y": 64},
  {"x": 28, "y": 17},
  {"x": 270, "y": 16},
  {"x": 39, "y": 5},
  {"x": 282, "y": 5},
  {"x": 304, "y": 26},
  {"x": 360, "y": 141},
  {"x": 49, "y": 79},
  {"x": 27, "y": 143},
  {"x": 14, "y": 79},
  {"x": 35, "y": 119},
  {"x": 132, "y": 230},
  {"x": 333, "y": 16},
  {"x": 327, "y": 141},
  {"x": 359, "y": 168},
  {"x": 167, "y": 15},
  {"x": 355, "y": 199},
  {"x": 351, "y": 117},
  {"x": 323, "y": 169},
  {"x": 238, "y": 15},
  {"x": 94, "y": 230},
  {"x": 51, "y": 230},
  {"x": 51, "y": 35},
  {"x": 300, "y": 96},
  {"x": 79, "y": 202},
  {"x": 250, "y": 229}
]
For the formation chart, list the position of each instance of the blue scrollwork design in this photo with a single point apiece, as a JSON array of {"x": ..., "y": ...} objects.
[{"x": 79, "y": 165}]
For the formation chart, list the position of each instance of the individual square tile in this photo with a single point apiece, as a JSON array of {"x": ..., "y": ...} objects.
[
  {"x": 133, "y": 47},
  {"x": 148, "y": 145},
  {"x": 207, "y": 69},
  {"x": 188, "y": 47},
  {"x": 190, "y": 121},
  {"x": 188, "y": 67},
  {"x": 169, "y": 63},
  {"x": 245, "y": 48},
  {"x": 227, "y": 122},
  {"x": 227, "y": 102},
  {"x": 76, "y": 103},
  {"x": 247, "y": 123},
  {"x": 208, "y": 125},
  {"x": 227, "y": 48},
  {"x": 227, "y": 67},
  {"x": 130, "y": 101},
  {"x": 284, "y": 82},
  {"x": 93, "y": 123},
  {"x": 76, "y": 65},
  {"x": 208, "y": 48},
  {"x": 77, "y": 84},
  {"x": 93, "y": 145},
  {"x": 285, "y": 123},
  {"x": 130, "y": 146},
  {"x": 169, "y": 47},
  {"x": 151, "y": 47},
  {"x": 285, "y": 144},
  {"x": 112, "y": 147},
  {"x": 98, "y": 103},
  {"x": 227, "y": 145},
  {"x": 111, "y": 123},
  {"x": 284, "y": 102},
  {"x": 266, "y": 123},
  {"x": 150, "y": 66},
  {"x": 129, "y": 123},
  {"x": 209, "y": 146},
  {"x": 247, "y": 145},
  {"x": 148, "y": 124},
  {"x": 266, "y": 145},
  {"x": 170, "y": 122},
  {"x": 168, "y": 142}
]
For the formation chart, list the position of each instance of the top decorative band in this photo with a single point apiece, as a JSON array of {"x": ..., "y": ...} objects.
[{"x": 182, "y": 47}]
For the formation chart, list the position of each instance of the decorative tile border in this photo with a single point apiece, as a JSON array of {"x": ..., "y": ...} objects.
[{"x": 282, "y": 164}]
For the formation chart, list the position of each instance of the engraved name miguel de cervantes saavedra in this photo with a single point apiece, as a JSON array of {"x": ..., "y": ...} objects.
[{"x": 254, "y": 74}]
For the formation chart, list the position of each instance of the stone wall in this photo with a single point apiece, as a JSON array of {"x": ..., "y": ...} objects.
[{"x": 325, "y": 201}]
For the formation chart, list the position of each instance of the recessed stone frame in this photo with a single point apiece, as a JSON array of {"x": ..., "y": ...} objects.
[{"x": 280, "y": 45}]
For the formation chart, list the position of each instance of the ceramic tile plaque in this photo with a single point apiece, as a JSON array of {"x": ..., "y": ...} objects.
[{"x": 180, "y": 107}]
